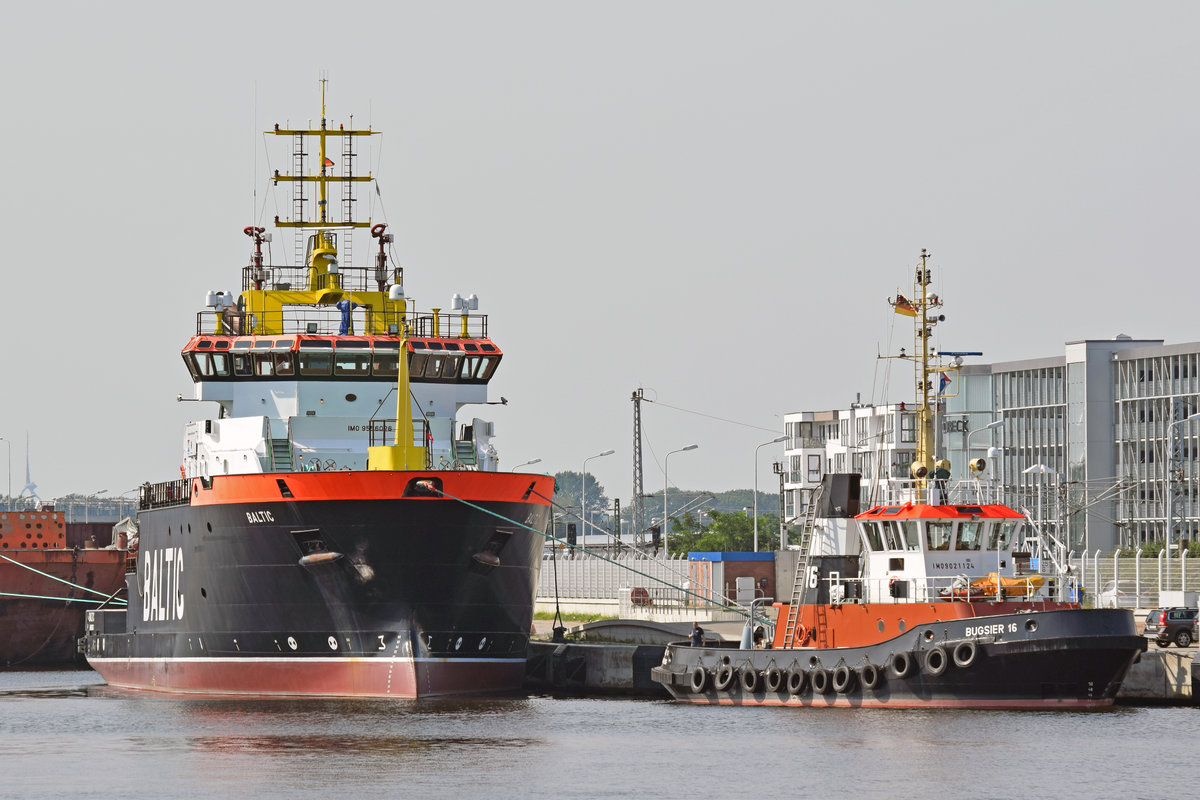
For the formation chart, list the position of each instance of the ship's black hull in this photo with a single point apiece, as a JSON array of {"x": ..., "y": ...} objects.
[
  {"x": 321, "y": 594},
  {"x": 1054, "y": 659}
]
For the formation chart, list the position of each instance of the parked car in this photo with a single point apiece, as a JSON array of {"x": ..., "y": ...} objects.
[
  {"x": 1166, "y": 625},
  {"x": 1123, "y": 594}
]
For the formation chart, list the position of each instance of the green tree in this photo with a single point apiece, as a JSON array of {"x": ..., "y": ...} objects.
[
  {"x": 566, "y": 494},
  {"x": 729, "y": 532}
]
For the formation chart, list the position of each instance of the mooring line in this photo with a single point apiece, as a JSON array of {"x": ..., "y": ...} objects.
[
  {"x": 53, "y": 577},
  {"x": 48, "y": 597}
]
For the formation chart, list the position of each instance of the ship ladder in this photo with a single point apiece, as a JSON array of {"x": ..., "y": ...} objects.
[
  {"x": 464, "y": 453},
  {"x": 281, "y": 455},
  {"x": 803, "y": 564}
]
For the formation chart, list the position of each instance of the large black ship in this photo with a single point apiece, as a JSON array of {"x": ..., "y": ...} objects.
[{"x": 316, "y": 544}]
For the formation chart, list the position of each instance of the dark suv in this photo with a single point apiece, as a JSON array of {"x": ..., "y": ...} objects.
[{"x": 1166, "y": 625}]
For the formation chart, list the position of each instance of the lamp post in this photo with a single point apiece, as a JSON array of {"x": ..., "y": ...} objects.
[
  {"x": 526, "y": 464},
  {"x": 583, "y": 490},
  {"x": 761, "y": 446},
  {"x": 1171, "y": 494},
  {"x": 667, "y": 483},
  {"x": 8, "y": 497}
]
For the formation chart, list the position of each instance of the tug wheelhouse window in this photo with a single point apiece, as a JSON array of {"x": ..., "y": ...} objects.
[
  {"x": 891, "y": 535},
  {"x": 970, "y": 536},
  {"x": 912, "y": 534},
  {"x": 871, "y": 529},
  {"x": 1003, "y": 534},
  {"x": 938, "y": 534}
]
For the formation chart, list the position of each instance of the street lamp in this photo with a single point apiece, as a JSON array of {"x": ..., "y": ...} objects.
[
  {"x": 526, "y": 464},
  {"x": 1170, "y": 493},
  {"x": 764, "y": 444},
  {"x": 667, "y": 483},
  {"x": 583, "y": 490},
  {"x": 8, "y": 497}
]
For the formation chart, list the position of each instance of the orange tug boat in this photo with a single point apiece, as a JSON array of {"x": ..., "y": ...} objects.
[{"x": 921, "y": 601}]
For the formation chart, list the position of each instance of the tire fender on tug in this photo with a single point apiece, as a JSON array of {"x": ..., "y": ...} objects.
[
  {"x": 819, "y": 680},
  {"x": 936, "y": 661},
  {"x": 774, "y": 679},
  {"x": 750, "y": 679},
  {"x": 699, "y": 679},
  {"x": 843, "y": 679},
  {"x": 797, "y": 678},
  {"x": 965, "y": 654},
  {"x": 871, "y": 676},
  {"x": 725, "y": 675},
  {"x": 901, "y": 664}
]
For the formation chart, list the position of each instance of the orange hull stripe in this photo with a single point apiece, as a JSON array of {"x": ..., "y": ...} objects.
[{"x": 477, "y": 487}]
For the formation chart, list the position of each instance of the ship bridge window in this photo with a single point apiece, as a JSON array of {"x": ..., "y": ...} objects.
[
  {"x": 222, "y": 344},
  {"x": 970, "y": 536},
  {"x": 938, "y": 534},
  {"x": 352, "y": 363},
  {"x": 912, "y": 534},
  {"x": 263, "y": 344},
  {"x": 871, "y": 529},
  {"x": 434, "y": 345},
  {"x": 316, "y": 362},
  {"x": 241, "y": 344},
  {"x": 385, "y": 364},
  {"x": 416, "y": 364},
  {"x": 487, "y": 348},
  {"x": 452, "y": 346},
  {"x": 203, "y": 344},
  {"x": 479, "y": 368},
  {"x": 274, "y": 363},
  {"x": 471, "y": 347},
  {"x": 210, "y": 365},
  {"x": 242, "y": 364}
]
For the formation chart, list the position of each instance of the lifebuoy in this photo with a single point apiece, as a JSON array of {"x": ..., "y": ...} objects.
[
  {"x": 965, "y": 653},
  {"x": 699, "y": 679},
  {"x": 819, "y": 679},
  {"x": 871, "y": 676},
  {"x": 377, "y": 229},
  {"x": 796, "y": 679},
  {"x": 843, "y": 679},
  {"x": 801, "y": 635},
  {"x": 724, "y": 677},
  {"x": 774, "y": 679},
  {"x": 749, "y": 679},
  {"x": 936, "y": 661},
  {"x": 901, "y": 665}
]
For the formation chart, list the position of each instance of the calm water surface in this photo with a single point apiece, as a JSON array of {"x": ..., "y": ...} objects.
[{"x": 63, "y": 733}]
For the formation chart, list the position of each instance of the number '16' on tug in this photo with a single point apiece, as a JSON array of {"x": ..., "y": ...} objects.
[
  {"x": 340, "y": 527},
  {"x": 921, "y": 600}
]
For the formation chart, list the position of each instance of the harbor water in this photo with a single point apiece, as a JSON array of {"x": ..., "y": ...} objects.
[{"x": 63, "y": 733}]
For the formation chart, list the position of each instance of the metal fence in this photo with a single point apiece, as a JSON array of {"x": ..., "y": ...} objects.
[
  {"x": 586, "y": 577},
  {"x": 1134, "y": 581}
]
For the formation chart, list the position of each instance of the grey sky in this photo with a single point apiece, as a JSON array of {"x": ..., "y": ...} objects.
[{"x": 711, "y": 200}]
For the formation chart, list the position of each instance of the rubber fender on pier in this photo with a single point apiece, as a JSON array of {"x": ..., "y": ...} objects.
[
  {"x": 819, "y": 679},
  {"x": 843, "y": 679},
  {"x": 901, "y": 664},
  {"x": 871, "y": 676},
  {"x": 699, "y": 679},
  {"x": 936, "y": 661},
  {"x": 725, "y": 677},
  {"x": 774, "y": 679},
  {"x": 965, "y": 654},
  {"x": 796, "y": 680},
  {"x": 750, "y": 679}
]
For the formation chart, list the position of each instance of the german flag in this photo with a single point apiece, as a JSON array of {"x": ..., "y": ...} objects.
[
  {"x": 904, "y": 307},
  {"x": 328, "y": 161}
]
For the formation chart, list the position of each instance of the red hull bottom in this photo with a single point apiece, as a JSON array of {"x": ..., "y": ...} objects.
[{"x": 314, "y": 677}]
